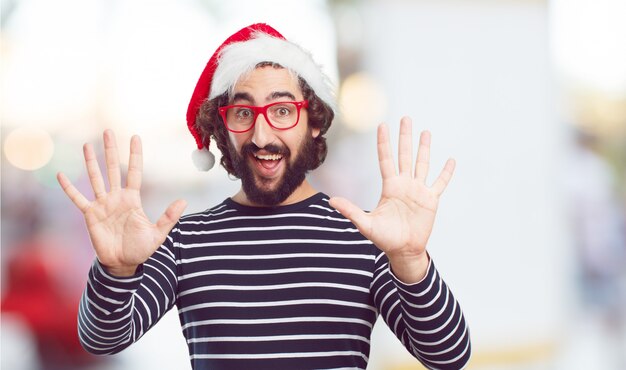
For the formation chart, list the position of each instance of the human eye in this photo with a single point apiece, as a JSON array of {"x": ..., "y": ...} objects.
[
  {"x": 282, "y": 110},
  {"x": 243, "y": 113}
]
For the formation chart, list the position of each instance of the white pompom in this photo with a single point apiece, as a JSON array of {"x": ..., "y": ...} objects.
[{"x": 203, "y": 159}]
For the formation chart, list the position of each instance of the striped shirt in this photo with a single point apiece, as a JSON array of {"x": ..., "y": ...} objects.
[{"x": 288, "y": 287}]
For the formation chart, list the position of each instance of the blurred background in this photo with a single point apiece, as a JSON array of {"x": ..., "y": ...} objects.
[{"x": 529, "y": 97}]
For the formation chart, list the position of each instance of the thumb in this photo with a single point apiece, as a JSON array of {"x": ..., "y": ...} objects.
[
  {"x": 352, "y": 212},
  {"x": 168, "y": 219}
]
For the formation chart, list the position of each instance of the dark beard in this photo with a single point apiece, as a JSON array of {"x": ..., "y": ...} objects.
[{"x": 293, "y": 177}]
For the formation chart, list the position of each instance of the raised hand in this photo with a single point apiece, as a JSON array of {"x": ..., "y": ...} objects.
[
  {"x": 121, "y": 234},
  {"x": 402, "y": 222}
]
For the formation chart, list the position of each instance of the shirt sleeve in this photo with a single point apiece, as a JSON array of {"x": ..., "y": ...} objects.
[
  {"x": 425, "y": 316},
  {"x": 115, "y": 312}
]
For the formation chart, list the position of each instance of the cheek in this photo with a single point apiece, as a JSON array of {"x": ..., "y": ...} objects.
[
  {"x": 304, "y": 121},
  {"x": 295, "y": 140},
  {"x": 236, "y": 140}
]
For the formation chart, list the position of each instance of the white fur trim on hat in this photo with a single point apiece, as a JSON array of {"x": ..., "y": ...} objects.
[
  {"x": 203, "y": 159},
  {"x": 241, "y": 57}
]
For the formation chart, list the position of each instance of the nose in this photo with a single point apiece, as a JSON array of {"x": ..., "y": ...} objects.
[{"x": 262, "y": 134}]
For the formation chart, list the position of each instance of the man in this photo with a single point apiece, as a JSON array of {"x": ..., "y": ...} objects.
[{"x": 279, "y": 276}]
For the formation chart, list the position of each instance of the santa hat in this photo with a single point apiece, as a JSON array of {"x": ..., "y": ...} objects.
[{"x": 239, "y": 54}]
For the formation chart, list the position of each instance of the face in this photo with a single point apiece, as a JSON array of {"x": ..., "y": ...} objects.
[{"x": 271, "y": 164}]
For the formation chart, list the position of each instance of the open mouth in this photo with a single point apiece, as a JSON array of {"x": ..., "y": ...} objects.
[{"x": 268, "y": 161}]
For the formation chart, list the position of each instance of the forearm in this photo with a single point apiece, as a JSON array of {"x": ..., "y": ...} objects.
[
  {"x": 116, "y": 311},
  {"x": 435, "y": 324},
  {"x": 105, "y": 317},
  {"x": 424, "y": 316}
]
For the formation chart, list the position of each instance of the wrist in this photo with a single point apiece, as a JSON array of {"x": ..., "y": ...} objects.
[
  {"x": 410, "y": 269},
  {"x": 120, "y": 271}
]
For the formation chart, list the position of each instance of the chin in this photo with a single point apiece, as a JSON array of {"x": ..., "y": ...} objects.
[{"x": 273, "y": 192}]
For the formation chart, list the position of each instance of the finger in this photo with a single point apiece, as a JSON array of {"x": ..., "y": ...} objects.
[
  {"x": 423, "y": 157},
  {"x": 444, "y": 177},
  {"x": 93, "y": 171},
  {"x": 75, "y": 196},
  {"x": 168, "y": 219},
  {"x": 353, "y": 213},
  {"x": 112, "y": 160},
  {"x": 405, "y": 147},
  {"x": 135, "y": 164},
  {"x": 385, "y": 158}
]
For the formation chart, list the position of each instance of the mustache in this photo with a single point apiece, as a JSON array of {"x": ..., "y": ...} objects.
[{"x": 251, "y": 148}]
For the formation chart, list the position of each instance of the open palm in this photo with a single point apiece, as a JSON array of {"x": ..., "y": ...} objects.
[
  {"x": 121, "y": 234},
  {"x": 403, "y": 220}
]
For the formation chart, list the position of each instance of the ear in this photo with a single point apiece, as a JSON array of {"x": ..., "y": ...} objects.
[{"x": 315, "y": 132}]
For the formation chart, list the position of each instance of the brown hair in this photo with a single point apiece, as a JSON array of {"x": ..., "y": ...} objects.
[{"x": 209, "y": 123}]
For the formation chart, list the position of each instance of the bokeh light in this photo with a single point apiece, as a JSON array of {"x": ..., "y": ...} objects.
[
  {"x": 28, "y": 148},
  {"x": 362, "y": 102}
]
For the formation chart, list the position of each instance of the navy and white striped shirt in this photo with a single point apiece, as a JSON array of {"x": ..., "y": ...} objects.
[{"x": 287, "y": 287}]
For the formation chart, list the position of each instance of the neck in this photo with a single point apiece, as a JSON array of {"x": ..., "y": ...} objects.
[{"x": 304, "y": 191}]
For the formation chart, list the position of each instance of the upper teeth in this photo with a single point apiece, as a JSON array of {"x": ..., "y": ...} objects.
[{"x": 268, "y": 157}]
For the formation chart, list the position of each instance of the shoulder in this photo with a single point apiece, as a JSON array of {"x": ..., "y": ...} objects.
[
  {"x": 328, "y": 218},
  {"x": 320, "y": 208},
  {"x": 207, "y": 216}
]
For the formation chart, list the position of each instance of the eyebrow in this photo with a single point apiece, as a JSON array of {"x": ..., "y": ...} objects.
[
  {"x": 281, "y": 94},
  {"x": 244, "y": 96}
]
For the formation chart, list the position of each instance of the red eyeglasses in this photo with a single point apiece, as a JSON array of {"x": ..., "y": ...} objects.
[{"x": 280, "y": 115}]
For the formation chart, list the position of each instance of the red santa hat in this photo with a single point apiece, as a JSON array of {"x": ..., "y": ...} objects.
[{"x": 239, "y": 54}]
